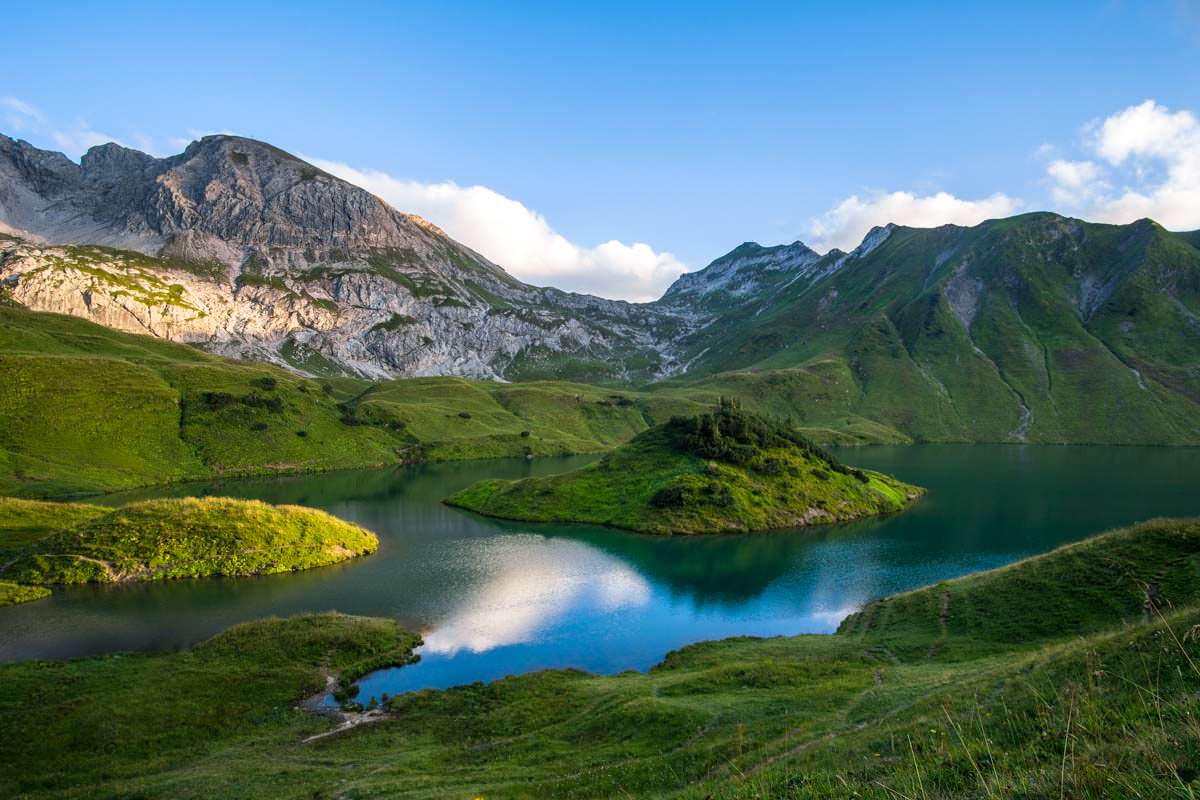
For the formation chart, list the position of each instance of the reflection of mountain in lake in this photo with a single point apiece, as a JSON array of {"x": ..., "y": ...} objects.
[
  {"x": 423, "y": 483},
  {"x": 712, "y": 570}
]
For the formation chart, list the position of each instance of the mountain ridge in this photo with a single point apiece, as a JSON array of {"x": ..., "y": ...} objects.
[
  {"x": 280, "y": 261},
  {"x": 1033, "y": 328}
]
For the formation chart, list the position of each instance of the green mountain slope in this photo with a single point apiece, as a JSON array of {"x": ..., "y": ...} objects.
[
  {"x": 1034, "y": 328},
  {"x": 723, "y": 471},
  {"x": 85, "y": 409},
  {"x": 969, "y": 688}
]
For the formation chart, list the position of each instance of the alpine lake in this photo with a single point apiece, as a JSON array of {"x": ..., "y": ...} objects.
[{"x": 494, "y": 598}]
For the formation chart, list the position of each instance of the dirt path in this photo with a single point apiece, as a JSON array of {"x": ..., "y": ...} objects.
[{"x": 346, "y": 720}]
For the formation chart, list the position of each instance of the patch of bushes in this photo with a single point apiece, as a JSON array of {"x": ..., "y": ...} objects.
[
  {"x": 768, "y": 466},
  {"x": 216, "y": 400},
  {"x": 684, "y": 495},
  {"x": 255, "y": 400},
  {"x": 735, "y": 436}
]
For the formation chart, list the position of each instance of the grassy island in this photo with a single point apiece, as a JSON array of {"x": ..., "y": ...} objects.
[
  {"x": 724, "y": 471},
  {"x": 1072, "y": 674},
  {"x": 62, "y": 543}
]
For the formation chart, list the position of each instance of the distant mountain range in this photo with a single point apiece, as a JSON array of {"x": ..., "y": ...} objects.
[{"x": 1034, "y": 328}]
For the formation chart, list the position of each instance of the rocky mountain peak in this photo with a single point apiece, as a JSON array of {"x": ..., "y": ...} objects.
[
  {"x": 108, "y": 162},
  {"x": 224, "y": 198},
  {"x": 745, "y": 271},
  {"x": 261, "y": 254}
]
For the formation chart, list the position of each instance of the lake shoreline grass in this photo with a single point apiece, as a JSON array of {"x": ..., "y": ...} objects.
[{"x": 970, "y": 696}]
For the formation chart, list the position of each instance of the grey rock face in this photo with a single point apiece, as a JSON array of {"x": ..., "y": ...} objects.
[
  {"x": 273, "y": 258},
  {"x": 743, "y": 275}
]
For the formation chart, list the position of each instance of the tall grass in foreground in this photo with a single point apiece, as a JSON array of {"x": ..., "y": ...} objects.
[{"x": 1107, "y": 717}]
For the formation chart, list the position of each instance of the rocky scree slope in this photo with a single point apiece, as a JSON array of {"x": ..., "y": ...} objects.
[{"x": 252, "y": 252}]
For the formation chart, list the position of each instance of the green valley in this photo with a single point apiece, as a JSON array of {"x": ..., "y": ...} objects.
[
  {"x": 86, "y": 409},
  {"x": 425, "y": 450},
  {"x": 1038, "y": 329}
]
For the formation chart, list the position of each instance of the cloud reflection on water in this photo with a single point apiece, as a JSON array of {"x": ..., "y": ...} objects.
[{"x": 529, "y": 582}]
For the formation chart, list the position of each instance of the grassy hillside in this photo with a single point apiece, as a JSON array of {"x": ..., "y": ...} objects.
[
  {"x": 53, "y": 543},
  {"x": 1034, "y": 328},
  {"x": 1101, "y": 706},
  {"x": 143, "y": 713},
  {"x": 723, "y": 471},
  {"x": 87, "y": 409},
  {"x": 1040, "y": 599}
]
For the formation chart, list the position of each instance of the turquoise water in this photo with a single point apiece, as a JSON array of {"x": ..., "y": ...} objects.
[{"x": 495, "y": 598}]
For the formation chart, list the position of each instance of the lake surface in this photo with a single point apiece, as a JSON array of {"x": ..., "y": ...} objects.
[{"x": 496, "y": 598}]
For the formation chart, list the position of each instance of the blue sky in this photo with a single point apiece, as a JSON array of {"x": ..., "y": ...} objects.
[{"x": 686, "y": 127}]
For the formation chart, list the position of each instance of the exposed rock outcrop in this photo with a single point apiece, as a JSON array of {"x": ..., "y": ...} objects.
[{"x": 254, "y": 252}]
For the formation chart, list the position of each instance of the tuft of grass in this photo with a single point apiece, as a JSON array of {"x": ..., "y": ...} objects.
[
  {"x": 394, "y": 323},
  {"x": 13, "y": 593}
]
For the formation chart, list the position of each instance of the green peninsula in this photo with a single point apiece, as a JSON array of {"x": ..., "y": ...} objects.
[
  {"x": 64, "y": 543},
  {"x": 724, "y": 471}
]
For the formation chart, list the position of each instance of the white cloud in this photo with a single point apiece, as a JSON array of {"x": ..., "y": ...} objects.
[
  {"x": 1045, "y": 150},
  {"x": 520, "y": 239},
  {"x": 845, "y": 225},
  {"x": 74, "y": 140},
  {"x": 1073, "y": 174},
  {"x": 1074, "y": 182},
  {"x": 78, "y": 139},
  {"x": 20, "y": 115},
  {"x": 1152, "y": 153}
]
